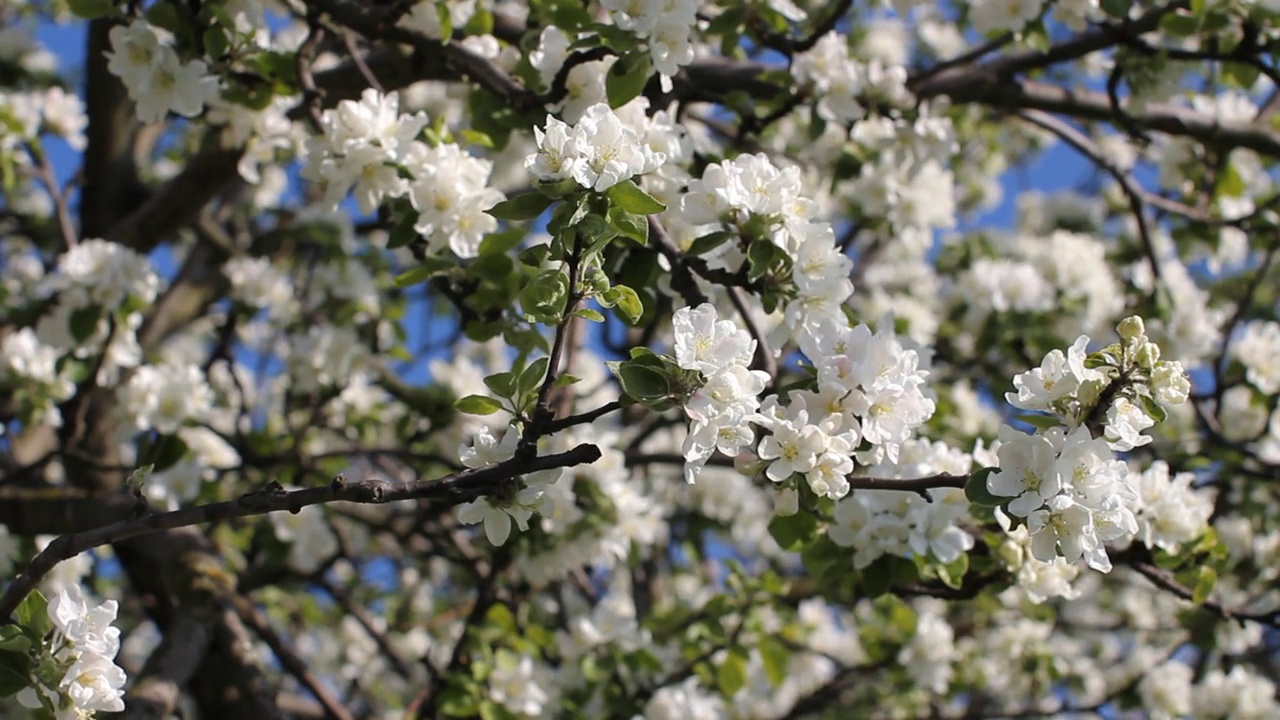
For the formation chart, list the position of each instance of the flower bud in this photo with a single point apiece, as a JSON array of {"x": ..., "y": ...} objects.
[
  {"x": 748, "y": 464},
  {"x": 786, "y": 501},
  {"x": 1169, "y": 384},
  {"x": 1148, "y": 355},
  {"x": 1131, "y": 328},
  {"x": 1012, "y": 554}
]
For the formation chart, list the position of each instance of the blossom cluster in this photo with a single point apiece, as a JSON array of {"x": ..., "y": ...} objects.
[
  {"x": 667, "y": 25},
  {"x": 845, "y": 85},
  {"x": 720, "y": 410},
  {"x": 1258, "y": 350},
  {"x": 94, "y": 294},
  {"x": 370, "y": 149},
  {"x": 749, "y": 190},
  {"x": 905, "y": 176},
  {"x": 873, "y": 523},
  {"x": 82, "y": 678},
  {"x": 53, "y": 110},
  {"x": 868, "y": 398},
  {"x": 425, "y": 16},
  {"x": 597, "y": 152},
  {"x": 495, "y": 512},
  {"x": 163, "y": 398},
  {"x": 1170, "y": 691},
  {"x": 1065, "y": 482},
  {"x": 157, "y": 80}
]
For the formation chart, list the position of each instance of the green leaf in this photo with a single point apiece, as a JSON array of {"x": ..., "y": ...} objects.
[
  {"x": 1215, "y": 20},
  {"x": 90, "y": 9},
  {"x": 14, "y": 640},
  {"x": 952, "y": 574},
  {"x": 760, "y": 257},
  {"x": 1152, "y": 408},
  {"x": 1207, "y": 578},
  {"x": 280, "y": 67},
  {"x": 544, "y": 297},
  {"x": 589, "y": 314},
  {"x": 502, "y": 242},
  {"x": 535, "y": 256},
  {"x": 33, "y": 614},
  {"x": 493, "y": 116},
  {"x": 1243, "y": 74},
  {"x": 710, "y": 241},
  {"x": 500, "y": 616},
  {"x": 164, "y": 453},
  {"x": 792, "y": 532},
  {"x": 84, "y": 322},
  {"x": 502, "y": 384},
  {"x": 215, "y": 42},
  {"x": 476, "y": 138},
  {"x": 445, "y": 19},
  {"x": 1036, "y": 36},
  {"x": 139, "y": 477},
  {"x": 877, "y": 578},
  {"x": 643, "y": 383},
  {"x": 522, "y": 207},
  {"x": 495, "y": 268},
  {"x": 1096, "y": 360},
  {"x": 1230, "y": 184},
  {"x": 1118, "y": 9},
  {"x": 403, "y": 233},
  {"x": 629, "y": 225},
  {"x": 627, "y": 78},
  {"x": 12, "y": 682},
  {"x": 731, "y": 676},
  {"x": 531, "y": 377},
  {"x": 1180, "y": 24},
  {"x": 568, "y": 214},
  {"x": 975, "y": 489},
  {"x": 565, "y": 380},
  {"x": 414, "y": 276},
  {"x": 457, "y": 702},
  {"x": 477, "y": 405},
  {"x": 775, "y": 657},
  {"x": 820, "y": 557},
  {"x": 628, "y": 303},
  {"x": 628, "y": 196},
  {"x": 165, "y": 15},
  {"x": 1166, "y": 560}
]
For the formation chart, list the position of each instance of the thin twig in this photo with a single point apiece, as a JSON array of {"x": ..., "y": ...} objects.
[
  {"x": 1085, "y": 146},
  {"x": 44, "y": 173},
  {"x": 765, "y": 358},
  {"x": 289, "y": 659},
  {"x": 356, "y": 57}
]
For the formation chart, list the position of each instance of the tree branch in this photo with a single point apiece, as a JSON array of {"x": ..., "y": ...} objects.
[{"x": 451, "y": 490}]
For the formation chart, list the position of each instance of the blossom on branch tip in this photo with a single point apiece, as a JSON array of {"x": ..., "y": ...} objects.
[
  {"x": 497, "y": 513},
  {"x": 597, "y": 152}
]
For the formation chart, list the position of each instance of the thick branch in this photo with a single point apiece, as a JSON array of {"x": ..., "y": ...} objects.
[
  {"x": 980, "y": 85},
  {"x": 450, "y": 490}
]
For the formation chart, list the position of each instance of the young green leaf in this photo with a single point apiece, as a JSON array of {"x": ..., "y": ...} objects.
[
  {"x": 522, "y": 207},
  {"x": 477, "y": 405},
  {"x": 628, "y": 303},
  {"x": 627, "y": 78},
  {"x": 792, "y": 532},
  {"x": 90, "y": 9},
  {"x": 628, "y": 196},
  {"x": 975, "y": 489}
]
